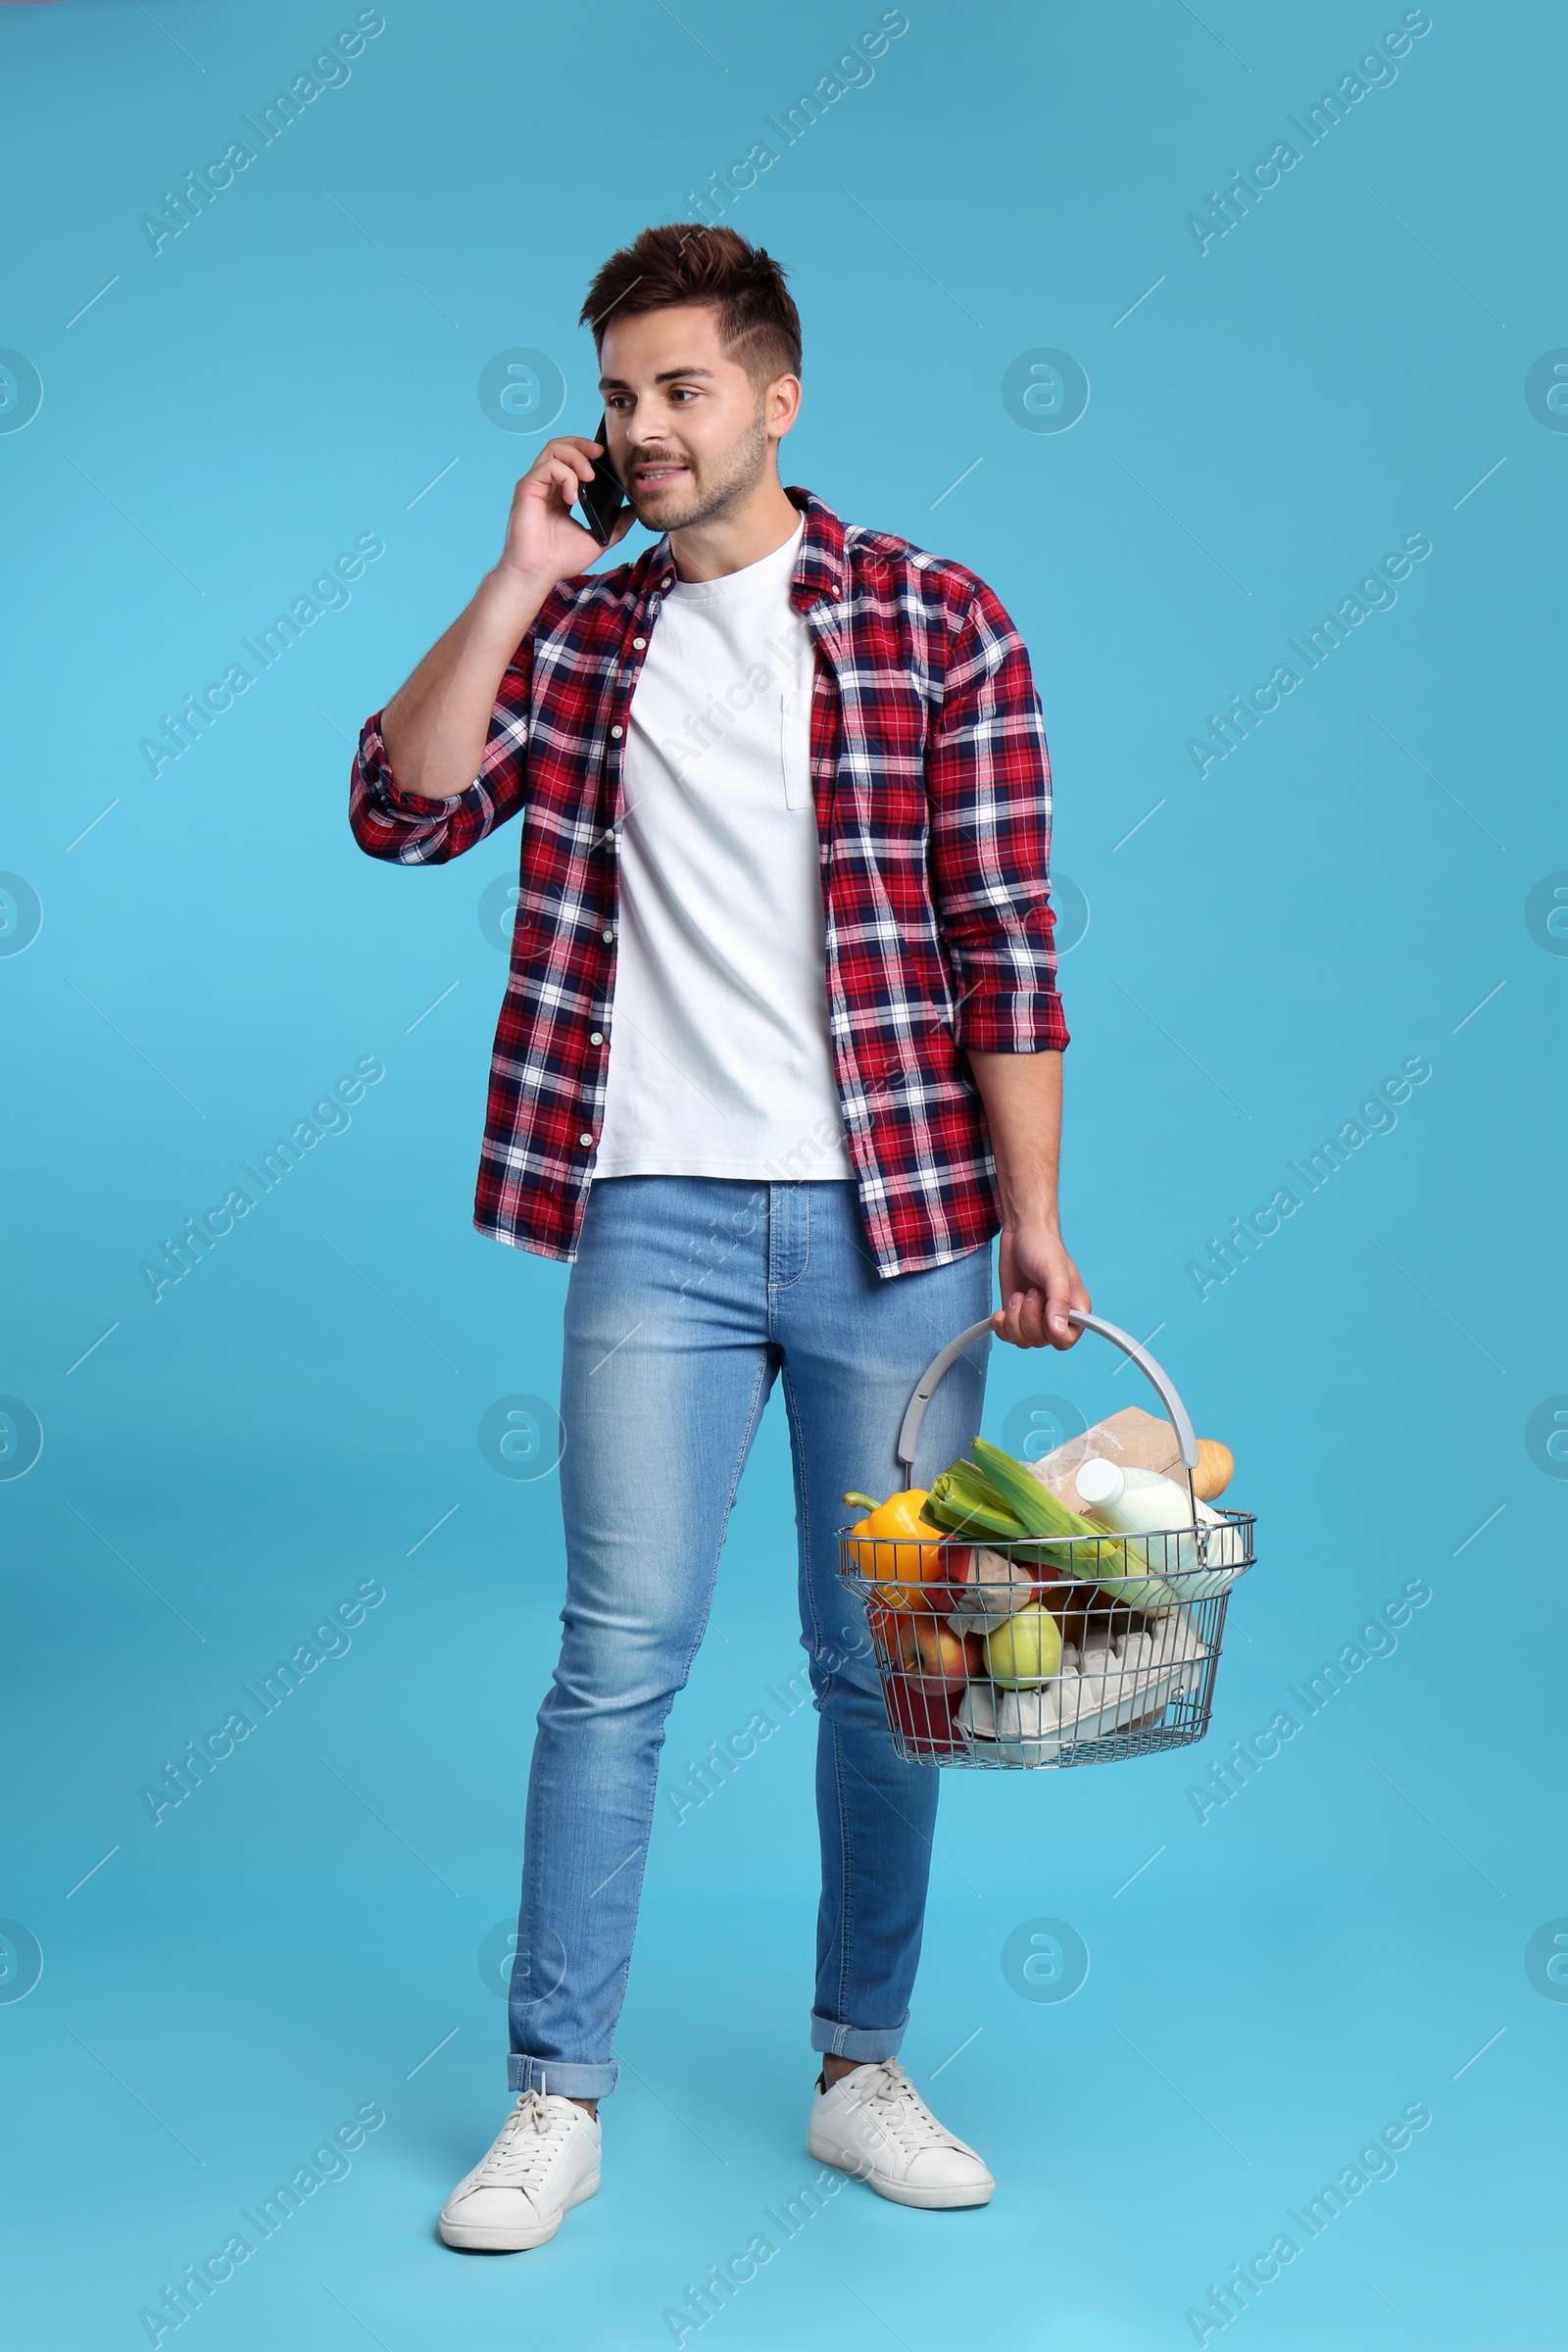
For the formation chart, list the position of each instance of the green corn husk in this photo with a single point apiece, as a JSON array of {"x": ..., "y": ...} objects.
[
  {"x": 1119, "y": 1565},
  {"x": 1026, "y": 1496},
  {"x": 956, "y": 1516},
  {"x": 963, "y": 1500},
  {"x": 994, "y": 1499},
  {"x": 967, "y": 1481}
]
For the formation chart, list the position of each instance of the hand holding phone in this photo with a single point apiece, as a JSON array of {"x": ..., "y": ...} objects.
[
  {"x": 548, "y": 535},
  {"x": 602, "y": 500}
]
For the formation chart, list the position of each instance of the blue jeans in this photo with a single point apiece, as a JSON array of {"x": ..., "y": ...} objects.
[{"x": 688, "y": 1296}]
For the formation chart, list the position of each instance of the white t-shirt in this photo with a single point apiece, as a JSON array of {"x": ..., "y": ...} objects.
[{"x": 719, "y": 1061}]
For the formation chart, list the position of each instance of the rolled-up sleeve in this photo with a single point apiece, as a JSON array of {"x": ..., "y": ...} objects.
[
  {"x": 988, "y": 781},
  {"x": 389, "y": 822}
]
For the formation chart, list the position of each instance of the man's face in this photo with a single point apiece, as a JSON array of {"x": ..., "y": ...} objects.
[{"x": 689, "y": 430}]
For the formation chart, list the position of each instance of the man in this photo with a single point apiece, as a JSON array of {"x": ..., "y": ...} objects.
[{"x": 779, "y": 1053}]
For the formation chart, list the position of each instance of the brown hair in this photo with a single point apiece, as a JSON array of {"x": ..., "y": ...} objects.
[{"x": 685, "y": 262}]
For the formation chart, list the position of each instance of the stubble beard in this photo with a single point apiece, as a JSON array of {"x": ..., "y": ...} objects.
[{"x": 712, "y": 491}]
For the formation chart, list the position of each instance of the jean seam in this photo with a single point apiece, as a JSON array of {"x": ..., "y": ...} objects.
[
  {"x": 774, "y": 1288},
  {"x": 802, "y": 1505},
  {"x": 846, "y": 1912},
  {"x": 804, "y": 1510}
]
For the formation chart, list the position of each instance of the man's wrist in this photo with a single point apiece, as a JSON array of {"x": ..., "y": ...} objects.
[
  {"x": 1021, "y": 1218},
  {"x": 508, "y": 599}
]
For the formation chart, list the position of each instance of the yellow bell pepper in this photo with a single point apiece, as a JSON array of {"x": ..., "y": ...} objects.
[{"x": 895, "y": 1545}]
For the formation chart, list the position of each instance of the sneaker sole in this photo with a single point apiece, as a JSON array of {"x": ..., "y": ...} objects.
[
  {"x": 900, "y": 2192},
  {"x": 473, "y": 2241}
]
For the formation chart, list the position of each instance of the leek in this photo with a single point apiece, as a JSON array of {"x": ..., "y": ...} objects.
[
  {"x": 1027, "y": 1497},
  {"x": 993, "y": 1498},
  {"x": 965, "y": 1502}
]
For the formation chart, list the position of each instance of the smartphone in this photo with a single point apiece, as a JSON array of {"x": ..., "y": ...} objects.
[{"x": 601, "y": 500}]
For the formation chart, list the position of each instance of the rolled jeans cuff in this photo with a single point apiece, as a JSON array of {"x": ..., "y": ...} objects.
[
  {"x": 555, "y": 2075},
  {"x": 864, "y": 2043}
]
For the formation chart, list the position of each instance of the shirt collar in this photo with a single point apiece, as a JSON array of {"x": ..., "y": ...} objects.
[{"x": 820, "y": 569}]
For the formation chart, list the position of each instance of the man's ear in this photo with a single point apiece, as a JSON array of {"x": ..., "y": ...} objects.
[{"x": 781, "y": 404}]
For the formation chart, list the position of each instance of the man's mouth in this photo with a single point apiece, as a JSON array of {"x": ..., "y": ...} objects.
[{"x": 656, "y": 473}]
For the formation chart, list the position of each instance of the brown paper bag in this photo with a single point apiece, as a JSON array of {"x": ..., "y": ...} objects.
[{"x": 1132, "y": 1438}]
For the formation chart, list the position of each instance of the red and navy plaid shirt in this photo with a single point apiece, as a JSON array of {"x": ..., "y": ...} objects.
[{"x": 933, "y": 805}]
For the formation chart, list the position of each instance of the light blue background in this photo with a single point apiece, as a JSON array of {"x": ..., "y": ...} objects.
[{"x": 1338, "y": 895}]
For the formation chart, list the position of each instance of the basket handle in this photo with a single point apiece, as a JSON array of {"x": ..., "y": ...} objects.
[{"x": 1160, "y": 1380}]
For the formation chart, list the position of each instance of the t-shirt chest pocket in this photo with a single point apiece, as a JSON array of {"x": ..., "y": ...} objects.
[{"x": 795, "y": 732}]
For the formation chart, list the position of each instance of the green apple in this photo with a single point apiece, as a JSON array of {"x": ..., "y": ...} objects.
[{"x": 1025, "y": 1649}]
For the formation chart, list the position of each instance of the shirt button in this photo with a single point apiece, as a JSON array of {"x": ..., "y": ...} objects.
[
  {"x": 609, "y": 931},
  {"x": 616, "y": 732},
  {"x": 638, "y": 643},
  {"x": 596, "y": 1037},
  {"x": 585, "y": 1140}
]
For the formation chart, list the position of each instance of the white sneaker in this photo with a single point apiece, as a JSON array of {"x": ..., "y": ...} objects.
[
  {"x": 545, "y": 2161},
  {"x": 873, "y": 2123}
]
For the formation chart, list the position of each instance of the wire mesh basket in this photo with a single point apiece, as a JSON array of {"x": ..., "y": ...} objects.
[{"x": 1071, "y": 1650}]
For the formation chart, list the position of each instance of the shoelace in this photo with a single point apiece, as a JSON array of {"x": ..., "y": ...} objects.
[
  {"x": 530, "y": 2139},
  {"x": 900, "y": 2110}
]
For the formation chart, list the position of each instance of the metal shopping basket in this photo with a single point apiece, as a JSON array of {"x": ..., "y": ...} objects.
[{"x": 965, "y": 1634}]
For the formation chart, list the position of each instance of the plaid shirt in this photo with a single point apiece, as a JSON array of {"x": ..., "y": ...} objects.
[{"x": 933, "y": 805}]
